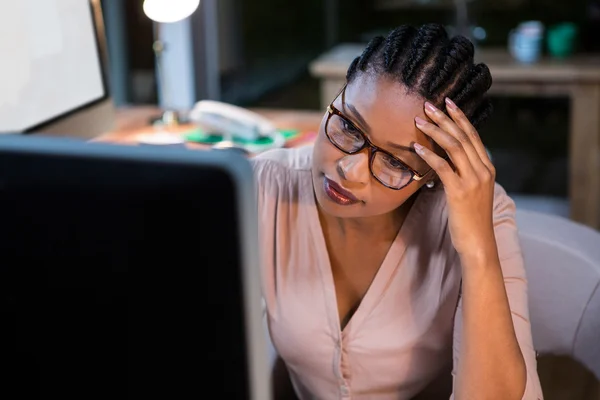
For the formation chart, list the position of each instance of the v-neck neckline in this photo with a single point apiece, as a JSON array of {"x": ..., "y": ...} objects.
[{"x": 380, "y": 280}]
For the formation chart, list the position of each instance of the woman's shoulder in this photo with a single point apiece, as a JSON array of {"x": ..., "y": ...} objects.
[
  {"x": 503, "y": 203},
  {"x": 281, "y": 165},
  {"x": 431, "y": 211},
  {"x": 283, "y": 175},
  {"x": 296, "y": 159}
]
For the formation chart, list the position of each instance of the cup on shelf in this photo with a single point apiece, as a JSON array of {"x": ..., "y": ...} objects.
[
  {"x": 525, "y": 41},
  {"x": 561, "y": 39}
]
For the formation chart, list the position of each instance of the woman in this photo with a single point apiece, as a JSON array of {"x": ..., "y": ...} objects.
[{"x": 388, "y": 247}]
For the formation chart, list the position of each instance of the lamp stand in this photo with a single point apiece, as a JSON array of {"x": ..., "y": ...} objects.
[{"x": 165, "y": 125}]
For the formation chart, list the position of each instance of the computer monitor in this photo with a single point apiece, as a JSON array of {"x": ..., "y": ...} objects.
[
  {"x": 53, "y": 70},
  {"x": 128, "y": 273}
]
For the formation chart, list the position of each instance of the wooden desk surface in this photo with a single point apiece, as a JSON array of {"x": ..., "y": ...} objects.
[
  {"x": 135, "y": 120},
  {"x": 583, "y": 67}
]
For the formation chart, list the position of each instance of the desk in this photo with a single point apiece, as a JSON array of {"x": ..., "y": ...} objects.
[
  {"x": 577, "y": 78},
  {"x": 134, "y": 121}
]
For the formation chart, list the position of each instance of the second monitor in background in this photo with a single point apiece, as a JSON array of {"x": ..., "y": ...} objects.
[{"x": 53, "y": 78}]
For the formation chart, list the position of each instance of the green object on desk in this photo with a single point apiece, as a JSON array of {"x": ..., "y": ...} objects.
[
  {"x": 200, "y": 136},
  {"x": 289, "y": 133},
  {"x": 263, "y": 140}
]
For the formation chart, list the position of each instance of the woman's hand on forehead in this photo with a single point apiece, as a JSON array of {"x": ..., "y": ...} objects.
[{"x": 468, "y": 176}]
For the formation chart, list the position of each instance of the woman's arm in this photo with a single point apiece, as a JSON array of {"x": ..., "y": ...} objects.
[
  {"x": 490, "y": 362},
  {"x": 493, "y": 326},
  {"x": 493, "y": 348}
]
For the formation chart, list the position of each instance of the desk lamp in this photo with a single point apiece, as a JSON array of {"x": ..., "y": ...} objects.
[{"x": 165, "y": 12}]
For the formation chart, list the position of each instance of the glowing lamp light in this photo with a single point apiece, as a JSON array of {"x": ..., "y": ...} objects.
[{"x": 167, "y": 11}]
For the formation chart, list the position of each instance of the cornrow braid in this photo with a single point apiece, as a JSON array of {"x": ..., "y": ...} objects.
[
  {"x": 482, "y": 112},
  {"x": 352, "y": 69},
  {"x": 426, "y": 45},
  {"x": 396, "y": 44},
  {"x": 478, "y": 82},
  {"x": 432, "y": 65},
  {"x": 457, "y": 53},
  {"x": 373, "y": 46}
]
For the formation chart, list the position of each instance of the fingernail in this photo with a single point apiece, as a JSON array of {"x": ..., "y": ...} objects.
[
  {"x": 420, "y": 121},
  {"x": 418, "y": 148},
  {"x": 450, "y": 104},
  {"x": 430, "y": 106}
]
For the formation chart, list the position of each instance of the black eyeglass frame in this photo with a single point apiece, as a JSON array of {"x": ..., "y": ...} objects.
[{"x": 372, "y": 149}]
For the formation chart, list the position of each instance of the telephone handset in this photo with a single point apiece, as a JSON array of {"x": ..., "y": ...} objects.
[{"x": 231, "y": 121}]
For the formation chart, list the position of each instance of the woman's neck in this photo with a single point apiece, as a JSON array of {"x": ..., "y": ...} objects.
[{"x": 378, "y": 227}]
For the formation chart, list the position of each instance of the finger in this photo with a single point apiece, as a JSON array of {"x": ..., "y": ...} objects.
[
  {"x": 441, "y": 167},
  {"x": 463, "y": 122},
  {"x": 450, "y": 126},
  {"x": 452, "y": 146}
]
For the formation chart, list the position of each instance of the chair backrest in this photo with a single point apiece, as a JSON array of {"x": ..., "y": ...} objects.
[{"x": 562, "y": 260}]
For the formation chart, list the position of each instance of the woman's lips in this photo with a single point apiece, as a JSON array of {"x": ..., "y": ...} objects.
[{"x": 338, "y": 194}]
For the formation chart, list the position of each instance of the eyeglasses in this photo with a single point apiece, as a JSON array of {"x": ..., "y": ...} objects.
[{"x": 387, "y": 169}]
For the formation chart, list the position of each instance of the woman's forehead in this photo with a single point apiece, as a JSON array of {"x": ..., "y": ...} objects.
[{"x": 387, "y": 109}]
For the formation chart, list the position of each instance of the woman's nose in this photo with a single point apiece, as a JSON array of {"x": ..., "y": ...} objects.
[{"x": 355, "y": 168}]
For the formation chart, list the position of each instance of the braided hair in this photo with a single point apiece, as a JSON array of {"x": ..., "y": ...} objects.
[{"x": 432, "y": 65}]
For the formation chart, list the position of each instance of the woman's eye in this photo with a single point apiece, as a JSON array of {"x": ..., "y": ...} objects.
[
  {"x": 392, "y": 163},
  {"x": 348, "y": 127}
]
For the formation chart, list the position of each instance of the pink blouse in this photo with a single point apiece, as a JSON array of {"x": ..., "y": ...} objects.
[{"x": 408, "y": 324}]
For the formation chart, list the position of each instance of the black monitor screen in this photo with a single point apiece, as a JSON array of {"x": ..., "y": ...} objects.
[{"x": 119, "y": 279}]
